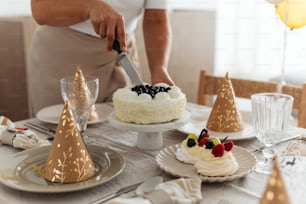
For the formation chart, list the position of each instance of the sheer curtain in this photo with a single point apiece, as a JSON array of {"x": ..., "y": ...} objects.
[{"x": 250, "y": 42}]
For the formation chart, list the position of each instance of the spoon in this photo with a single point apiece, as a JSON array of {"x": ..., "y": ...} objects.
[{"x": 148, "y": 186}]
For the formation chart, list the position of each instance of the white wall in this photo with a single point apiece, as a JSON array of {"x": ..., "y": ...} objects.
[{"x": 193, "y": 48}]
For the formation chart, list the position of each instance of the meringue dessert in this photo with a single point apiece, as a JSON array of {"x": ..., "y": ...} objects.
[
  {"x": 147, "y": 104},
  {"x": 210, "y": 156},
  {"x": 211, "y": 163},
  {"x": 189, "y": 150}
]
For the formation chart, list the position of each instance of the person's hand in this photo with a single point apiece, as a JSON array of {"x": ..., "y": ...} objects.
[
  {"x": 107, "y": 23},
  {"x": 161, "y": 76}
]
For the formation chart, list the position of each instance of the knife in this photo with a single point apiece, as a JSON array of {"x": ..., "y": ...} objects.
[{"x": 127, "y": 64}]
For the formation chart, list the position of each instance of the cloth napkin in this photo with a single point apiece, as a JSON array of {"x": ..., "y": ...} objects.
[
  {"x": 18, "y": 137},
  {"x": 179, "y": 191}
]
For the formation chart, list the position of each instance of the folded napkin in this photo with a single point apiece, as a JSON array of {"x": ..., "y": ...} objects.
[
  {"x": 179, "y": 191},
  {"x": 18, "y": 137}
]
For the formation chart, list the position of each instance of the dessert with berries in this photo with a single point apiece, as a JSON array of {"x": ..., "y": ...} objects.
[
  {"x": 210, "y": 156},
  {"x": 189, "y": 150},
  {"x": 146, "y": 104},
  {"x": 216, "y": 158}
]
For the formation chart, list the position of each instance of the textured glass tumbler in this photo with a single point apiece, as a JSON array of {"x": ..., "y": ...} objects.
[
  {"x": 81, "y": 96},
  {"x": 271, "y": 114}
]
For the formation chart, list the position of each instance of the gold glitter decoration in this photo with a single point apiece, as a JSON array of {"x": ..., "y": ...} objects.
[
  {"x": 275, "y": 191},
  {"x": 68, "y": 160},
  {"x": 225, "y": 116},
  {"x": 82, "y": 100}
]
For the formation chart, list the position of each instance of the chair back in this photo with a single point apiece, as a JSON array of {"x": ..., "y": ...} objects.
[{"x": 244, "y": 88}]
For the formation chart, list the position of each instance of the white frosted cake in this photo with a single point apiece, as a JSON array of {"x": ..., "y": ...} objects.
[{"x": 146, "y": 104}]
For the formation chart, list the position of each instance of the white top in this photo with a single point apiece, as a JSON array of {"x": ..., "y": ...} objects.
[{"x": 130, "y": 10}]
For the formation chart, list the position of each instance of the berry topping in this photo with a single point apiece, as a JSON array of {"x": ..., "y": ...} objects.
[
  {"x": 228, "y": 146},
  {"x": 204, "y": 133},
  {"x": 191, "y": 142},
  {"x": 218, "y": 150},
  {"x": 215, "y": 140},
  {"x": 192, "y": 136},
  {"x": 203, "y": 141},
  {"x": 150, "y": 89},
  {"x": 209, "y": 144}
]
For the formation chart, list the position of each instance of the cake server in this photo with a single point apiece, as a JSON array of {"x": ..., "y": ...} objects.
[{"x": 127, "y": 64}]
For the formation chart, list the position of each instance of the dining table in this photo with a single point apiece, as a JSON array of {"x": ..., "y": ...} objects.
[{"x": 141, "y": 164}]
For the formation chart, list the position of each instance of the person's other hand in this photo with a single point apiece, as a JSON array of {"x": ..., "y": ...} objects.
[
  {"x": 161, "y": 76},
  {"x": 107, "y": 23}
]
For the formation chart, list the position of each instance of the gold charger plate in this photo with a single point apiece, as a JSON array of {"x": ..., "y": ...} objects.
[
  {"x": 167, "y": 161},
  {"x": 23, "y": 171}
]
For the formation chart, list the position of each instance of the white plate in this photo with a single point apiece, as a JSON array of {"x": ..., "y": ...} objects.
[
  {"x": 23, "y": 170},
  {"x": 198, "y": 120},
  {"x": 51, "y": 114},
  {"x": 167, "y": 161}
]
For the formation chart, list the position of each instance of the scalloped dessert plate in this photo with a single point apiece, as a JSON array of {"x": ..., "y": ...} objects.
[
  {"x": 167, "y": 161},
  {"x": 51, "y": 114},
  {"x": 23, "y": 171},
  {"x": 198, "y": 120}
]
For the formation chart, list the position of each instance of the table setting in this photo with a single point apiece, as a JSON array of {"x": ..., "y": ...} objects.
[{"x": 122, "y": 166}]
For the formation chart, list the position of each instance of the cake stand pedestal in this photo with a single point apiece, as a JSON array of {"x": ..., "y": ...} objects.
[{"x": 149, "y": 137}]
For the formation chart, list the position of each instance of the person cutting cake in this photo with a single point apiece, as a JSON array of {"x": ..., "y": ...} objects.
[{"x": 81, "y": 33}]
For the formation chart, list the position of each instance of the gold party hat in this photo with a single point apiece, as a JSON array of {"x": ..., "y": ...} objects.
[
  {"x": 81, "y": 88},
  {"x": 68, "y": 160},
  {"x": 275, "y": 191},
  {"x": 225, "y": 116}
]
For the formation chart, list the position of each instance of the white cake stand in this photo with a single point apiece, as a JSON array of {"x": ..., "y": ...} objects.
[{"x": 149, "y": 137}]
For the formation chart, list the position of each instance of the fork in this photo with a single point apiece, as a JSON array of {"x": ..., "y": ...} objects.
[{"x": 297, "y": 136}]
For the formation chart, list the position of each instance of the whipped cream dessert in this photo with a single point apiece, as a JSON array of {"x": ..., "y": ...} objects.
[
  {"x": 189, "y": 150},
  {"x": 210, "y": 156},
  {"x": 210, "y": 165},
  {"x": 146, "y": 104}
]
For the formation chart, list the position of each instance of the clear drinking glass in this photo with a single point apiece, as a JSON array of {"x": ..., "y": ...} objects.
[
  {"x": 81, "y": 95},
  {"x": 271, "y": 117}
]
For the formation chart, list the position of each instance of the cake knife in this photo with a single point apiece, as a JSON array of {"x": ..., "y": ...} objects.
[{"x": 127, "y": 64}]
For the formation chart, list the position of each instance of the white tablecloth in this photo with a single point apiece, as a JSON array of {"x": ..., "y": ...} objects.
[{"x": 140, "y": 165}]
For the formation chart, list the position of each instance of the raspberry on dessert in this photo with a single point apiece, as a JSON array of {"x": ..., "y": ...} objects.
[
  {"x": 218, "y": 150},
  {"x": 203, "y": 141},
  {"x": 228, "y": 145}
]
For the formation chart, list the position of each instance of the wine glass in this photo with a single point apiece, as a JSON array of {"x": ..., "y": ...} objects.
[
  {"x": 271, "y": 117},
  {"x": 81, "y": 95}
]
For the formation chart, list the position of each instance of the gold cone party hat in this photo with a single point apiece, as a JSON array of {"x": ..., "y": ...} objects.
[
  {"x": 81, "y": 88},
  {"x": 225, "y": 116},
  {"x": 68, "y": 160},
  {"x": 275, "y": 191}
]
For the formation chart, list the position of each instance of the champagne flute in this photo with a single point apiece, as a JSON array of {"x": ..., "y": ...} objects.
[
  {"x": 81, "y": 95},
  {"x": 271, "y": 117}
]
